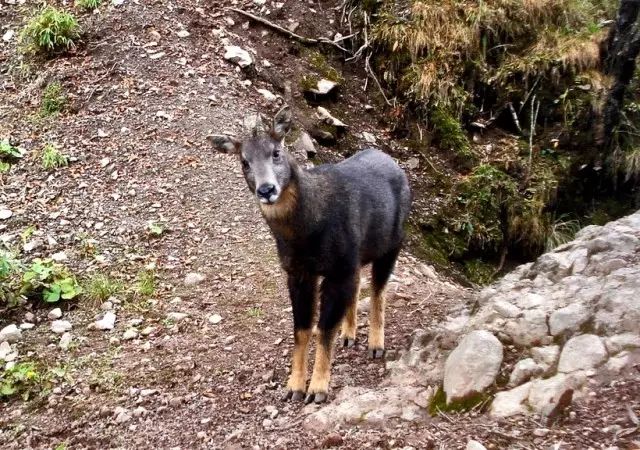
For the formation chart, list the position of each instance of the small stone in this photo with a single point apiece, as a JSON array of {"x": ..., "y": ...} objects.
[
  {"x": 5, "y": 213},
  {"x": 65, "y": 341},
  {"x": 305, "y": 145},
  {"x": 413, "y": 163},
  {"x": 324, "y": 87},
  {"x": 147, "y": 331},
  {"x": 215, "y": 318},
  {"x": 547, "y": 355},
  {"x": 130, "y": 334},
  {"x": 140, "y": 411},
  {"x": 368, "y": 137},
  {"x": 123, "y": 416},
  {"x": 541, "y": 432},
  {"x": 193, "y": 278},
  {"x": 510, "y": 403},
  {"x": 5, "y": 350},
  {"x": 238, "y": 56},
  {"x": 268, "y": 95},
  {"x": 60, "y": 326},
  {"x": 108, "y": 321},
  {"x": 229, "y": 340},
  {"x": 475, "y": 445},
  {"x": 8, "y": 35},
  {"x": 183, "y": 34},
  {"x": 106, "y": 306},
  {"x": 177, "y": 316},
  {"x": 26, "y": 326},
  {"x": 157, "y": 55},
  {"x": 29, "y": 317},
  {"x": 54, "y": 314},
  {"x": 523, "y": 371},
  {"x": 267, "y": 423}
]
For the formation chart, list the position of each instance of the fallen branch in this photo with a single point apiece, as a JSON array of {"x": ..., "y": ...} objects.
[
  {"x": 515, "y": 117},
  {"x": 291, "y": 34}
]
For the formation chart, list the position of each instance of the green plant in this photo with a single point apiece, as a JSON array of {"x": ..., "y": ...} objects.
[
  {"x": 22, "y": 378},
  {"x": 8, "y": 151},
  {"x": 52, "y": 158},
  {"x": 145, "y": 284},
  {"x": 255, "y": 312},
  {"x": 50, "y": 281},
  {"x": 50, "y": 31},
  {"x": 53, "y": 100},
  {"x": 562, "y": 231},
  {"x": 26, "y": 234},
  {"x": 100, "y": 287},
  {"x": 4, "y": 167},
  {"x": 88, "y": 4},
  {"x": 10, "y": 278},
  {"x": 156, "y": 228}
]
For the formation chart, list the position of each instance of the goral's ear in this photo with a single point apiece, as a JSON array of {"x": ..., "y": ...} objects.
[
  {"x": 281, "y": 123},
  {"x": 224, "y": 143}
]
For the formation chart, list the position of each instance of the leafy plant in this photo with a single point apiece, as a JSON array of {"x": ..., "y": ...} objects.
[
  {"x": 22, "y": 378},
  {"x": 4, "y": 167},
  {"x": 255, "y": 312},
  {"x": 53, "y": 100},
  {"x": 50, "y": 31},
  {"x": 50, "y": 281},
  {"x": 8, "y": 151},
  {"x": 10, "y": 274},
  {"x": 52, "y": 158},
  {"x": 88, "y": 4}
]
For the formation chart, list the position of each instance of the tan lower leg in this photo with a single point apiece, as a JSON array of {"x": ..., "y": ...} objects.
[
  {"x": 349, "y": 323},
  {"x": 322, "y": 366},
  {"x": 376, "y": 321},
  {"x": 298, "y": 377}
]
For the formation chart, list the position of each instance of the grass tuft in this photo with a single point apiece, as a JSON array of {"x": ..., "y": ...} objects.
[
  {"x": 50, "y": 31},
  {"x": 52, "y": 158}
]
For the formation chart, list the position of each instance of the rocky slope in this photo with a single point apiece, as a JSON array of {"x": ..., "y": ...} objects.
[{"x": 537, "y": 340}]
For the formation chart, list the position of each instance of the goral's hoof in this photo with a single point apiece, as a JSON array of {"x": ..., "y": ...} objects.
[
  {"x": 294, "y": 396},
  {"x": 348, "y": 342},
  {"x": 318, "y": 397},
  {"x": 376, "y": 353}
]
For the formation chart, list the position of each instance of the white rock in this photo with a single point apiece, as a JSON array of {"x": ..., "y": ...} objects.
[
  {"x": 547, "y": 355},
  {"x": 551, "y": 394},
  {"x": 568, "y": 319},
  {"x": 618, "y": 363},
  {"x": 268, "y": 95},
  {"x": 183, "y": 33},
  {"x": 619, "y": 342},
  {"x": 59, "y": 256},
  {"x": 60, "y": 326},
  {"x": 193, "y": 278},
  {"x": 523, "y": 371},
  {"x": 325, "y": 116},
  {"x": 473, "y": 365},
  {"x": 8, "y": 35},
  {"x": 177, "y": 316},
  {"x": 5, "y": 213},
  {"x": 238, "y": 56},
  {"x": 65, "y": 341},
  {"x": 5, "y": 349},
  {"x": 54, "y": 314},
  {"x": 512, "y": 402},
  {"x": 26, "y": 326},
  {"x": 368, "y": 137},
  {"x": 324, "y": 87},
  {"x": 582, "y": 352},
  {"x": 108, "y": 321},
  {"x": 215, "y": 318},
  {"x": 475, "y": 445},
  {"x": 130, "y": 334}
]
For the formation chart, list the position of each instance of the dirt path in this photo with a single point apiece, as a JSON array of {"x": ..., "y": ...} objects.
[
  {"x": 143, "y": 99},
  {"x": 139, "y": 155}
]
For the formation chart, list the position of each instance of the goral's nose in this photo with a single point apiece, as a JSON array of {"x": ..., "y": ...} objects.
[{"x": 266, "y": 191}]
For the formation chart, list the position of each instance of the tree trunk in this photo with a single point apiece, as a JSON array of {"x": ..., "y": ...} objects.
[{"x": 623, "y": 46}]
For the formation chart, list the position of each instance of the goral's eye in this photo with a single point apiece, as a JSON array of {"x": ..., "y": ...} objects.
[
  {"x": 276, "y": 154},
  {"x": 245, "y": 164}
]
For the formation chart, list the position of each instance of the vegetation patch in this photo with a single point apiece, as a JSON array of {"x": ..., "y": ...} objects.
[
  {"x": 100, "y": 287},
  {"x": 439, "y": 404},
  {"x": 89, "y": 5},
  {"x": 52, "y": 158},
  {"x": 50, "y": 31},
  {"x": 53, "y": 100}
]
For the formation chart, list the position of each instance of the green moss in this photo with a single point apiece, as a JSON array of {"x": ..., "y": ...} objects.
[
  {"x": 450, "y": 135},
  {"x": 320, "y": 64},
  {"x": 308, "y": 82},
  {"x": 479, "y": 271},
  {"x": 439, "y": 402}
]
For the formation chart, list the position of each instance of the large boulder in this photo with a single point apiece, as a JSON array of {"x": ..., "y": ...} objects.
[
  {"x": 582, "y": 352},
  {"x": 472, "y": 366}
]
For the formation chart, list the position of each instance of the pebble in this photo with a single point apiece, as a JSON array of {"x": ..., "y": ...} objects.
[
  {"x": 130, "y": 334},
  {"x": 108, "y": 321},
  {"x": 193, "y": 279},
  {"x": 215, "y": 318},
  {"x": 10, "y": 333},
  {"x": 54, "y": 314},
  {"x": 26, "y": 326},
  {"x": 65, "y": 341},
  {"x": 60, "y": 326},
  {"x": 177, "y": 316}
]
